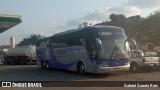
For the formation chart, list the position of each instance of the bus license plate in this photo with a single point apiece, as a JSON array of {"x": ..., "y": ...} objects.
[{"x": 116, "y": 69}]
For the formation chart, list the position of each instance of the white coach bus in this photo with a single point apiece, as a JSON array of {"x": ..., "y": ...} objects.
[{"x": 94, "y": 49}]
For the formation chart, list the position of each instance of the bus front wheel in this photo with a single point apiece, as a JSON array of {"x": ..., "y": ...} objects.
[{"x": 81, "y": 68}]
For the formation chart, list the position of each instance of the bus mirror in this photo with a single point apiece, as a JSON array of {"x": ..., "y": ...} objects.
[
  {"x": 98, "y": 44},
  {"x": 126, "y": 46},
  {"x": 131, "y": 43}
]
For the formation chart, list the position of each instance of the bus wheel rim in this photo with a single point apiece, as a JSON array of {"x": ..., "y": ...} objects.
[
  {"x": 47, "y": 66},
  {"x": 82, "y": 69}
]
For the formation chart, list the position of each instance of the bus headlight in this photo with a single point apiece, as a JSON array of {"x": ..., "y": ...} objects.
[{"x": 128, "y": 63}]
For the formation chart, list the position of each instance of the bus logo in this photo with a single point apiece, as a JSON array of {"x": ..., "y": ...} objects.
[{"x": 105, "y": 33}]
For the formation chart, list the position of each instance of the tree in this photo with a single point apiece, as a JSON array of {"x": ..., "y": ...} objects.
[
  {"x": 31, "y": 40},
  {"x": 150, "y": 28},
  {"x": 144, "y": 30},
  {"x": 117, "y": 17},
  {"x": 127, "y": 23}
]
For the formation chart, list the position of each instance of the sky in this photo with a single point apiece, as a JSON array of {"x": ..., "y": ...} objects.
[{"x": 47, "y": 17}]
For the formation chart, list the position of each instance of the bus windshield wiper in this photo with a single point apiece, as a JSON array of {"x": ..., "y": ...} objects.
[{"x": 116, "y": 54}]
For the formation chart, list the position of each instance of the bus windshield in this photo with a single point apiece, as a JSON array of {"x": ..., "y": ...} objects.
[
  {"x": 113, "y": 49},
  {"x": 113, "y": 43},
  {"x": 123, "y": 48},
  {"x": 108, "y": 46}
]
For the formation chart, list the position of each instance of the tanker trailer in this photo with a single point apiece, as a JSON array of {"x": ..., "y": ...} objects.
[{"x": 20, "y": 55}]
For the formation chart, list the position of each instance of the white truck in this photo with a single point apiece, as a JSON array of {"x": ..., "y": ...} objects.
[
  {"x": 20, "y": 55},
  {"x": 143, "y": 61}
]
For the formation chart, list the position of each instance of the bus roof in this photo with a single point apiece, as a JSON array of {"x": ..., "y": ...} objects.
[
  {"x": 97, "y": 26},
  {"x": 106, "y": 26}
]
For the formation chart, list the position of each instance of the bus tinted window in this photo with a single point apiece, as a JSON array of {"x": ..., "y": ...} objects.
[
  {"x": 70, "y": 39},
  {"x": 90, "y": 41}
]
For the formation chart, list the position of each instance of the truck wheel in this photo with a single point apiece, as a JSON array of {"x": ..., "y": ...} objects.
[
  {"x": 134, "y": 67},
  {"x": 81, "y": 68},
  {"x": 15, "y": 61},
  {"x": 3, "y": 61},
  {"x": 24, "y": 62}
]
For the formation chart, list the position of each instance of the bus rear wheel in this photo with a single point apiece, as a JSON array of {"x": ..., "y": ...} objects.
[
  {"x": 47, "y": 66},
  {"x": 43, "y": 64},
  {"x": 81, "y": 68}
]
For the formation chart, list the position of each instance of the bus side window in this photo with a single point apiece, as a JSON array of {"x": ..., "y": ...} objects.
[
  {"x": 58, "y": 42},
  {"x": 75, "y": 38},
  {"x": 43, "y": 45},
  {"x": 68, "y": 40},
  {"x": 90, "y": 42},
  {"x": 48, "y": 43}
]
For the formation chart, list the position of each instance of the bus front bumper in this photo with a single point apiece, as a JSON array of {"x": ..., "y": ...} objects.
[{"x": 101, "y": 69}]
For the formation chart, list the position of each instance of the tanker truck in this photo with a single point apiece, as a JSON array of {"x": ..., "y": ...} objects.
[{"x": 20, "y": 55}]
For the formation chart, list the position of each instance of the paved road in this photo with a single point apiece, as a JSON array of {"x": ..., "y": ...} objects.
[{"x": 33, "y": 73}]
